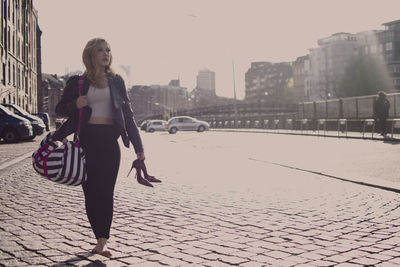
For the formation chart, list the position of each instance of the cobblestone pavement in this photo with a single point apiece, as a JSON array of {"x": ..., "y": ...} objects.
[
  {"x": 14, "y": 150},
  {"x": 178, "y": 223}
]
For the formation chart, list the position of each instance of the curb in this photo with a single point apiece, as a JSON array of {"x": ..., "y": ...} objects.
[
  {"x": 390, "y": 139},
  {"x": 7, "y": 163}
]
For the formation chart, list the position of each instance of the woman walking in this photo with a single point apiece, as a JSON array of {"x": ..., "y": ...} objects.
[{"x": 106, "y": 115}]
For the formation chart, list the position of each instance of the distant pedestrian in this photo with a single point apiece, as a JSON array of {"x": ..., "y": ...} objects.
[
  {"x": 381, "y": 110},
  {"x": 106, "y": 115}
]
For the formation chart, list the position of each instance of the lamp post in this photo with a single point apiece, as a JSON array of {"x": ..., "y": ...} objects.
[{"x": 234, "y": 94}]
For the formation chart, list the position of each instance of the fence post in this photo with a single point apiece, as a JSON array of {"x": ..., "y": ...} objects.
[
  {"x": 340, "y": 108},
  {"x": 357, "y": 107},
  {"x": 314, "y": 120},
  {"x": 373, "y": 105},
  {"x": 326, "y": 109}
]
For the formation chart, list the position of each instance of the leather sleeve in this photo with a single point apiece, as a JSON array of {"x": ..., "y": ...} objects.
[
  {"x": 67, "y": 104},
  {"x": 130, "y": 124}
]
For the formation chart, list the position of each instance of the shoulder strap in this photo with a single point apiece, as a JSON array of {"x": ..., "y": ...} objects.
[{"x": 80, "y": 85}]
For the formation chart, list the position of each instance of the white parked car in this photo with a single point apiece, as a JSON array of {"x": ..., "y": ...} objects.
[
  {"x": 186, "y": 123},
  {"x": 156, "y": 125}
]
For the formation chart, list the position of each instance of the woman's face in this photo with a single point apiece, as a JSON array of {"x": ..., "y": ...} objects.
[{"x": 102, "y": 55}]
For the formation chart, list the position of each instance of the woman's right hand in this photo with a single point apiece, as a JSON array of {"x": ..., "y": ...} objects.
[
  {"x": 81, "y": 101},
  {"x": 140, "y": 155}
]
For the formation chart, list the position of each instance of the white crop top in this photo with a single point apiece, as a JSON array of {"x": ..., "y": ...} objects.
[{"x": 100, "y": 102}]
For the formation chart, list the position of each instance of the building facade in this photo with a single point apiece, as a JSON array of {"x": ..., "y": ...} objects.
[
  {"x": 158, "y": 99},
  {"x": 52, "y": 87},
  {"x": 19, "y": 54},
  {"x": 329, "y": 61},
  {"x": 389, "y": 46},
  {"x": 266, "y": 82},
  {"x": 302, "y": 79},
  {"x": 206, "y": 80}
]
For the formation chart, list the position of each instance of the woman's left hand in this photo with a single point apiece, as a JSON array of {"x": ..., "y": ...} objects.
[{"x": 140, "y": 156}]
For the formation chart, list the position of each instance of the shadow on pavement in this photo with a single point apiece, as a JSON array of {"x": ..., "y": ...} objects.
[
  {"x": 81, "y": 257},
  {"x": 97, "y": 263},
  {"x": 391, "y": 141}
]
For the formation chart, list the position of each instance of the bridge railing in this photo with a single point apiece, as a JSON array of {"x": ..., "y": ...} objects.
[
  {"x": 361, "y": 107},
  {"x": 293, "y": 117}
]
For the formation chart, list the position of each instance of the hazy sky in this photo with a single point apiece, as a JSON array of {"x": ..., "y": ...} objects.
[{"x": 163, "y": 39}]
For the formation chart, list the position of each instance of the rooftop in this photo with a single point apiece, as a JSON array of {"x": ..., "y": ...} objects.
[{"x": 391, "y": 22}]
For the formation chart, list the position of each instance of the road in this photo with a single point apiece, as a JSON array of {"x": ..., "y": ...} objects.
[{"x": 226, "y": 199}]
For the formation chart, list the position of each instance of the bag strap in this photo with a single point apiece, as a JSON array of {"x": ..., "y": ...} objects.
[{"x": 80, "y": 85}]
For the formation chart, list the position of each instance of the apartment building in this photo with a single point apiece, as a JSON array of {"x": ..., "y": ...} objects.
[
  {"x": 265, "y": 81},
  {"x": 206, "y": 80},
  {"x": 20, "y": 67}
]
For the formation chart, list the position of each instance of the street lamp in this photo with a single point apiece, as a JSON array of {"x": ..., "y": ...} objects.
[{"x": 234, "y": 94}]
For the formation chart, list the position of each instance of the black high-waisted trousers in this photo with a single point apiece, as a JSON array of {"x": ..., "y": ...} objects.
[{"x": 99, "y": 142}]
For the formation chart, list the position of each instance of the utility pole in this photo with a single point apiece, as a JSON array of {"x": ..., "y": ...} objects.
[{"x": 234, "y": 94}]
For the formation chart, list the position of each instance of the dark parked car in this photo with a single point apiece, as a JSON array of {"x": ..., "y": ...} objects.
[
  {"x": 37, "y": 124},
  {"x": 13, "y": 127},
  {"x": 45, "y": 118}
]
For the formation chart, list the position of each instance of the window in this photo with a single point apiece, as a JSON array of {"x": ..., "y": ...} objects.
[
  {"x": 8, "y": 38},
  {"x": 13, "y": 13},
  {"x": 9, "y": 73},
  {"x": 3, "y": 77},
  {"x": 395, "y": 68},
  {"x": 13, "y": 75},
  {"x": 396, "y": 81},
  {"x": 18, "y": 78},
  {"x": 373, "y": 49},
  {"x": 186, "y": 120},
  {"x": 389, "y": 46}
]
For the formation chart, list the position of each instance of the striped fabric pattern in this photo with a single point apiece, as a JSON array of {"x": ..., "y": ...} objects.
[{"x": 64, "y": 164}]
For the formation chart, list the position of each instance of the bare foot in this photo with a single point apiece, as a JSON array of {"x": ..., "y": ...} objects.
[
  {"x": 99, "y": 248},
  {"x": 104, "y": 253}
]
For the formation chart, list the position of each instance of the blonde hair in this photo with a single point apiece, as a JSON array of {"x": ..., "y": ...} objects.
[{"x": 91, "y": 72}]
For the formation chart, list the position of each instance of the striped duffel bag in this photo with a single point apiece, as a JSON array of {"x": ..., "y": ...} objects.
[{"x": 62, "y": 163}]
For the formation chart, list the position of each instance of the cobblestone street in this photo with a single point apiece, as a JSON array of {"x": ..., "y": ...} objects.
[{"x": 228, "y": 218}]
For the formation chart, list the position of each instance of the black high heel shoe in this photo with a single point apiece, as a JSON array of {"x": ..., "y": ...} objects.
[
  {"x": 138, "y": 166},
  {"x": 148, "y": 177}
]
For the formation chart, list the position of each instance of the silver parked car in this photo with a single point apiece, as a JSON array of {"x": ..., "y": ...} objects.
[
  {"x": 186, "y": 123},
  {"x": 156, "y": 125}
]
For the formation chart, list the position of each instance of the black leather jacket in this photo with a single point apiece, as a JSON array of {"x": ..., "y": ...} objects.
[{"x": 123, "y": 115}]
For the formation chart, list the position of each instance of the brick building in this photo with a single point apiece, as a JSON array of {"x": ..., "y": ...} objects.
[
  {"x": 20, "y": 45},
  {"x": 266, "y": 82}
]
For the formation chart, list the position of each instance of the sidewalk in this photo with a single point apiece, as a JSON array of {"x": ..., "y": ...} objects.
[
  {"x": 321, "y": 133},
  {"x": 283, "y": 222}
]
